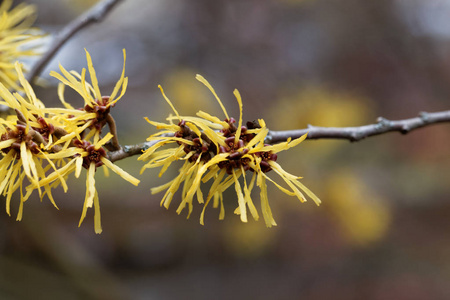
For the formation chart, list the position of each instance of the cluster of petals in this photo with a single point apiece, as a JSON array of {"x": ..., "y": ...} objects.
[
  {"x": 221, "y": 152},
  {"x": 40, "y": 147},
  {"x": 43, "y": 146}
]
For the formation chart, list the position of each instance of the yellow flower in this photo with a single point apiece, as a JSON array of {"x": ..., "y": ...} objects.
[
  {"x": 222, "y": 151},
  {"x": 15, "y": 33},
  {"x": 82, "y": 144},
  {"x": 55, "y": 125},
  {"x": 96, "y": 105},
  {"x": 89, "y": 156}
]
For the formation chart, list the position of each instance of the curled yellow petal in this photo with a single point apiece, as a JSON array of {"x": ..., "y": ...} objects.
[
  {"x": 90, "y": 185},
  {"x": 206, "y": 83}
]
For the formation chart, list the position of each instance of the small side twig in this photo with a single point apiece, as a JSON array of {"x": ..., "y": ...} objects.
[
  {"x": 314, "y": 132},
  {"x": 114, "y": 144},
  {"x": 94, "y": 15}
]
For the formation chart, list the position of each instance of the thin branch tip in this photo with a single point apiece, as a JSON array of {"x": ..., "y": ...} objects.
[
  {"x": 94, "y": 15},
  {"x": 355, "y": 134}
]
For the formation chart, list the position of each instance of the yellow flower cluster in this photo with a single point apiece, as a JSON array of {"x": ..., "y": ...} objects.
[
  {"x": 45, "y": 145},
  {"x": 41, "y": 147},
  {"x": 221, "y": 151},
  {"x": 15, "y": 33}
]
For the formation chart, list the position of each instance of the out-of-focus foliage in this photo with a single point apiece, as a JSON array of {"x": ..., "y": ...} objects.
[{"x": 187, "y": 95}]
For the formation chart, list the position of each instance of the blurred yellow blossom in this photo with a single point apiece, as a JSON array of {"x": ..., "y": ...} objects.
[
  {"x": 222, "y": 151},
  {"x": 321, "y": 106},
  {"x": 184, "y": 90},
  {"x": 362, "y": 214},
  {"x": 15, "y": 33}
]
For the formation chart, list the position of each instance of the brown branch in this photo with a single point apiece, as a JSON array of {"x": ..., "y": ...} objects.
[
  {"x": 95, "y": 15},
  {"x": 355, "y": 134},
  {"x": 314, "y": 132}
]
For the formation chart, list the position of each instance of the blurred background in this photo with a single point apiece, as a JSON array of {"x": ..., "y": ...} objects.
[{"x": 382, "y": 231}]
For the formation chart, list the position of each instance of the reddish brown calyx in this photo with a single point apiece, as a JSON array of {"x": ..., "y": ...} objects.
[
  {"x": 231, "y": 130},
  {"x": 19, "y": 135},
  {"x": 237, "y": 150},
  {"x": 46, "y": 129},
  {"x": 235, "y": 160},
  {"x": 93, "y": 156},
  {"x": 101, "y": 109},
  {"x": 203, "y": 147},
  {"x": 265, "y": 158}
]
